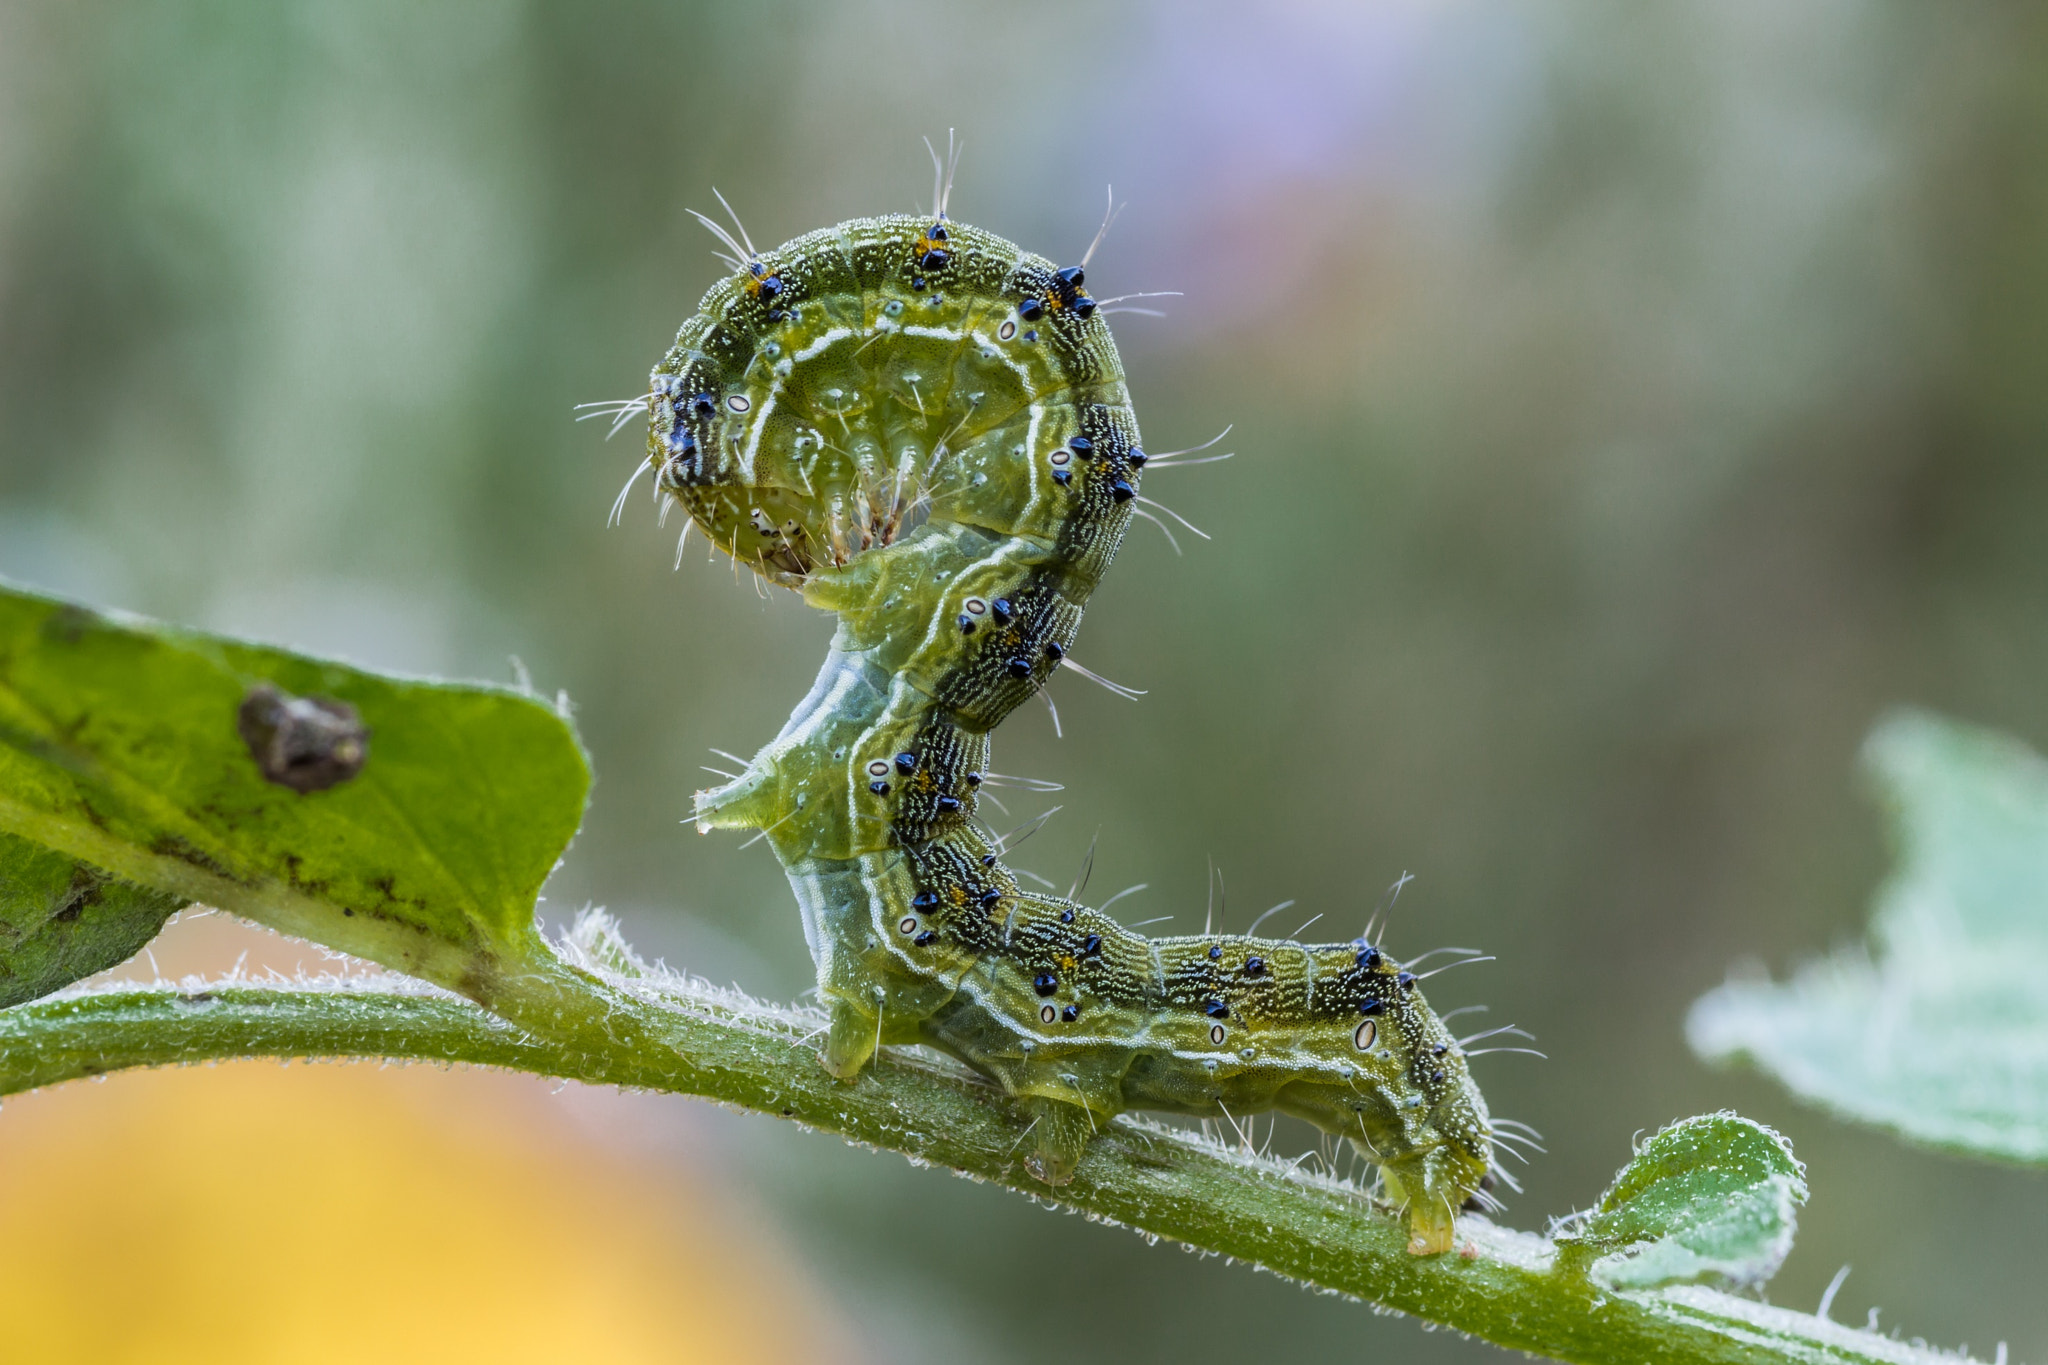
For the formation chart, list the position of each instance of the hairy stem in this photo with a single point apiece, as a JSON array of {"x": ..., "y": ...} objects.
[{"x": 685, "y": 1038}]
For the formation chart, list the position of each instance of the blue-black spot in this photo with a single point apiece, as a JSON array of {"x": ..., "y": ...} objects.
[
  {"x": 1372, "y": 1007},
  {"x": 1055, "y": 651},
  {"x": 934, "y": 259},
  {"x": 1062, "y": 477},
  {"x": 1440, "y": 1049},
  {"x": 1137, "y": 457},
  {"x": 924, "y": 900},
  {"x": 1072, "y": 276},
  {"x": 1255, "y": 966},
  {"x": 1216, "y": 1009},
  {"x": 879, "y": 788},
  {"x": 937, "y": 232},
  {"x": 776, "y": 315},
  {"x": 1406, "y": 980},
  {"x": 1084, "y": 307},
  {"x": 1215, "y": 951},
  {"x": 1082, "y": 446},
  {"x": 1122, "y": 491},
  {"x": 988, "y": 860},
  {"x": 1067, "y": 915},
  {"x": 917, "y": 282},
  {"x": 990, "y": 897},
  {"x": 771, "y": 287},
  {"x": 1001, "y": 610},
  {"x": 906, "y": 762},
  {"x": 949, "y": 804},
  {"x": 1368, "y": 957},
  {"x": 1031, "y": 310},
  {"x": 966, "y": 624},
  {"x": 705, "y": 404},
  {"x": 1091, "y": 945},
  {"x": 1020, "y": 668},
  {"x": 1071, "y": 1013},
  {"x": 1437, "y": 1077},
  {"x": 1031, "y": 335},
  {"x": 1045, "y": 983},
  {"x": 924, "y": 938}
]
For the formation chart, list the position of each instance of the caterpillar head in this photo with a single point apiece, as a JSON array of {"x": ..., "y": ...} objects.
[{"x": 833, "y": 395}]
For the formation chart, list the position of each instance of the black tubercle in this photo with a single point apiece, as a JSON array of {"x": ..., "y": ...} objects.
[
  {"x": 1216, "y": 1009},
  {"x": 1045, "y": 983},
  {"x": 906, "y": 762}
]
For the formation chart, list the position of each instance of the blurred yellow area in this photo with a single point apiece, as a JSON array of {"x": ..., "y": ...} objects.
[{"x": 252, "y": 1212}]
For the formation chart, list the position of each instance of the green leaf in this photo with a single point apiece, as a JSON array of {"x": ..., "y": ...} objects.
[
  {"x": 61, "y": 921},
  {"x": 1713, "y": 1197},
  {"x": 1939, "y": 1029},
  {"x": 407, "y": 821}
]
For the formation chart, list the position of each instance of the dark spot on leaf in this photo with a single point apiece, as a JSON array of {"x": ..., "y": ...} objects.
[
  {"x": 68, "y": 624},
  {"x": 306, "y": 743}
]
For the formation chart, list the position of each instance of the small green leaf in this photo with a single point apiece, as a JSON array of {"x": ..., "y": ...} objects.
[
  {"x": 1713, "y": 1197},
  {"x": 61, "y": 921},
  {"x": 411, "y": 822},
  {"x": 1939, "y": 1029}
]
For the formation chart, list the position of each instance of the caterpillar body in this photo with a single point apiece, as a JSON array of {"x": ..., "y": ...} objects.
[{"x": 921, "y": 427}]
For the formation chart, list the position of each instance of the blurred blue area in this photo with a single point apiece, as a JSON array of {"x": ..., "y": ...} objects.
[{"x": 1630, "y": 404}]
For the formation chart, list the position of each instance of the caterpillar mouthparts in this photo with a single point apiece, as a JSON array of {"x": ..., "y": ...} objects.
[{"x": 923, "y": 428}]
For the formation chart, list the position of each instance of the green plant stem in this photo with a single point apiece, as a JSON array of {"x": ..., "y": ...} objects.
[{"x": 1166, "y": 1182}]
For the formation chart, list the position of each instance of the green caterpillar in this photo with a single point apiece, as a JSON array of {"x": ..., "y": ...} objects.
[{"x": 924, "y": 429}]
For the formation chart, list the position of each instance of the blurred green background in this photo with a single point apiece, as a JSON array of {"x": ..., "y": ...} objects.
[{"x": 1631, "y": 403}]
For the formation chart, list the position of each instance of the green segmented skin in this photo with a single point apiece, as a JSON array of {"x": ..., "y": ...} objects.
[{"x": 883, "y": 416}]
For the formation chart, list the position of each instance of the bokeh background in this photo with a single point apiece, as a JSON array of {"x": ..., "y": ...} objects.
[{"x": 1631, "y": 403}]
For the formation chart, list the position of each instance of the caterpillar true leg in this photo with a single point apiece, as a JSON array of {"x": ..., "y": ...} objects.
[{"x": 985, "y": 468}]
